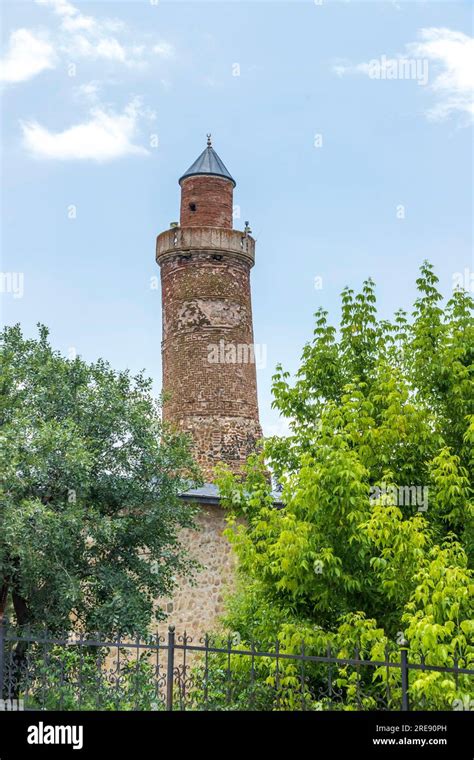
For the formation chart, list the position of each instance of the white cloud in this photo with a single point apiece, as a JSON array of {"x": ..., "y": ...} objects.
[
  {"x": 61, "y": 7},
  {"x": 76, "y": 35},
  {"x": 452, "y": 54},
  {"x": 107, "y": 47},
  {"x": 72, "y": 18},
  {"x": 27, "y": 55},
  {"x": 163, "y": 49},
  {"x": 88, "y": 37},
  {"x": 105, "y": 136},
  {"x": 447, "y": 55},
  {"x": 89, "y": 91}
]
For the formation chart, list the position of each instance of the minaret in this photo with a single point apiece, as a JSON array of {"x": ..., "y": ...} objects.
[{"x": 209, "y": 376}]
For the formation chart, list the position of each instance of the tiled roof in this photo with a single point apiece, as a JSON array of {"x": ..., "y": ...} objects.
[{"x": 209, "y": 494}]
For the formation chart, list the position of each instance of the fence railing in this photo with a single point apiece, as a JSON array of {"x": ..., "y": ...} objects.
[{"x": 73, "y": 672}]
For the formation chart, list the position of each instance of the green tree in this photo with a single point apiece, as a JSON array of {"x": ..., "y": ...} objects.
[
  {"x": 89, "y": 509},
  {"x": 375, "y": 536}
]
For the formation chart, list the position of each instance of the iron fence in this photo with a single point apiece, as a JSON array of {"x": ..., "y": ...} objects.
[{"x": 43, "y": 671}]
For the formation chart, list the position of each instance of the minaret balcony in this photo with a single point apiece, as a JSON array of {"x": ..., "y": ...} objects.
[{"x": 212, "y": 239}]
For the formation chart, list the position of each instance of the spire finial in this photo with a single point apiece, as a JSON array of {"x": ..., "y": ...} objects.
[{"x": 209, "y": 144}]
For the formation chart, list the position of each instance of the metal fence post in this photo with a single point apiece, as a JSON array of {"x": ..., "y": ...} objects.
[
  {"x": 170, "y": 669},
  {"x": 3, "y": 624},
  {"x": 404, "y": 673}
]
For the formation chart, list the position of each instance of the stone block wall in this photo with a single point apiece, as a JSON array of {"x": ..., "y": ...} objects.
[{"x": 197, "y": 608}]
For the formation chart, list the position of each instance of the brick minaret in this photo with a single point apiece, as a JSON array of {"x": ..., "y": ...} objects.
[{"x": 208, "y": 350}]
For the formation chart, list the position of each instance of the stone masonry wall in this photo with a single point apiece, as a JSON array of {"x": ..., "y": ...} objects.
[{"x": 196, "y": 608}]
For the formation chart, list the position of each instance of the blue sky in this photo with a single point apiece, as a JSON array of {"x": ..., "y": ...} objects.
[{"x": 349, "y": 161}]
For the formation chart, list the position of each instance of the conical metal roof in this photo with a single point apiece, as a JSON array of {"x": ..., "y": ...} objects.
[{"x": 208, "y": 163}]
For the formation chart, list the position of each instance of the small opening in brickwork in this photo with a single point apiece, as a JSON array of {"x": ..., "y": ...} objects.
[
  {"x": 186, "y": 257},
  {"x": 217, "y": 257},
  {"x": 192, "y": 207},
  {"x": 169, "y": 607}
]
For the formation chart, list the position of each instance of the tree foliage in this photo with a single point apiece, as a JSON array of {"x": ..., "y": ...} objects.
[
  {"x": 89, "y": 508},
  {"x": 375, "y": 538}
]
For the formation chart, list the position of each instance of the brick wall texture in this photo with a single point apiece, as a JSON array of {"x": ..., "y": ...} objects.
[
  {"x": 207, "y": 315},
  {"x": 206, "y": 201}
]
